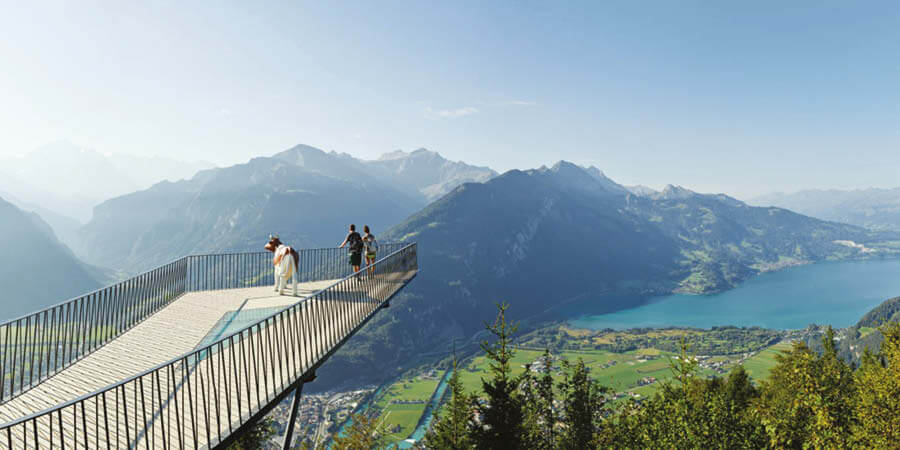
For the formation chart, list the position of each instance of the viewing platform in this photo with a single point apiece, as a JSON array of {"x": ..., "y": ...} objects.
[{"x": 187, "y": 355}]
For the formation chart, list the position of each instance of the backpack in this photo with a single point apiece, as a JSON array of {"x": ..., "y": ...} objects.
[
  {"x": 356, "y": 243},
  {"x": 371, "y": 245}
]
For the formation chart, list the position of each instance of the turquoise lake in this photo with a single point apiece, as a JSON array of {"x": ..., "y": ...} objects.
[{"x": 828, "y": 293}]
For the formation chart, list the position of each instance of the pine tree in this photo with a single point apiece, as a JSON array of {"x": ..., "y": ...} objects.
[
  {"x": 689, "y": 412},
  {"x": 548, "y": 417},
  {"x": 739, "y": 388},
  {"x": 256, "y": 437},
  {"x": 780, "y": 408},
  {"x": 502, "y": 414},
  {"x": 832, "y": 399},
  {"x": 584, "y": 407},
  {"x": 363, "y": 434},
  {"x": 808, "y": 399},
  {"x": 450, "y": 431},
  {"x": 878, "y": 405},
  {"x": 537, "y": 396},
  {"x": 531, "y": 423}
]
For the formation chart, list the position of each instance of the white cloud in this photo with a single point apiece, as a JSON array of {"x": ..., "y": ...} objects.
[
  {"x": 454, "y": 113},
  {"x": 451, "y": 113},
  {"x": 519, "y": 103}
]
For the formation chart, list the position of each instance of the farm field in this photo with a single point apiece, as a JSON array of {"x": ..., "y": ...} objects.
[
  {"x": 637, "y": 373},
  {"x": 759, "y": 365},
  {"x": 865, "y": 331},
  {"x": 624, "y": 372},
  {"x": 717, "y": 341},
  {"x": 403, "y": 403},
  {"x": 621, "y": 372}
]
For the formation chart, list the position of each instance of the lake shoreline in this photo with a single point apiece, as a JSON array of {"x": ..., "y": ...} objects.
[{"x": 845, "y": 288}]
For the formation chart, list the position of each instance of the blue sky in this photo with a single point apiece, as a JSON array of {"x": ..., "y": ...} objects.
[{"x": 743, "y": 98}]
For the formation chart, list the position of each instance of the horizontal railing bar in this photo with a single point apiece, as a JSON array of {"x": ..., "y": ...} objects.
[
  {"x": 39, "y": 345},
  {"x": 196, "y": 354},
  {"x": 266, "y": 253},
  {"x": 118, "y": 283},
  {"x": 265, "y": 409},
  {"x": 94, "y": 292}
]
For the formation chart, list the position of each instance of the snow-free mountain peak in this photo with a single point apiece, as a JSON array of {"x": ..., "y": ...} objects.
[
  {"x": 673, "y": 192},
  {"x": 400, "y": 154},
  {"x": 577, "y": 177},
  {"x": 428, "y": 172},
  {"x": 641, "y": 190},
  {"x": 304, "y": 193}
]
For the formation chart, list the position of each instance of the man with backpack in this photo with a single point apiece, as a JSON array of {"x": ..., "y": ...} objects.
[{"x": 354, "y": 243}]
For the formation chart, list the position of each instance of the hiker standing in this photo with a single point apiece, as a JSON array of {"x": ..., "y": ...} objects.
[
  {"x": 354, "y": 243},
  {"x": 371, "y": 248}
]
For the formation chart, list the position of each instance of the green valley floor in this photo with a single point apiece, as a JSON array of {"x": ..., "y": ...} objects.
[{"x": 636, "y": 370}]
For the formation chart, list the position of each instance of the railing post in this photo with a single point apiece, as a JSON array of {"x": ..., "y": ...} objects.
[{"x": 283, "y": 345}]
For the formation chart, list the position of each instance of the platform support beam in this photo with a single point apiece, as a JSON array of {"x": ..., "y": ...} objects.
[{"x": 295, "y": 406}]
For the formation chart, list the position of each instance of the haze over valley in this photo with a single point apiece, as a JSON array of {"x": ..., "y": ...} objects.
[
  {"x": 544, "y": 239},
  {"x": 66, "y": 180},
  {"x": 877, "y": 209}
]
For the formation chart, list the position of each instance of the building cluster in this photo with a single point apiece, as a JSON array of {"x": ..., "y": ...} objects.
[
  {"x": 319, "y": 415},
  {"x": 608, "y": 364},
  {"x": 430, "y": 374},
  {"x": 407, "y": 402},
  {"x": 721, "y": 366},
  {"x": 541, "y": 364},
  {"x": 621, "y": 395}
]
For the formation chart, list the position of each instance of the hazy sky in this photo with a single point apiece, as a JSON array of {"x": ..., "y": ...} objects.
[{"x": 736, "y": 97}]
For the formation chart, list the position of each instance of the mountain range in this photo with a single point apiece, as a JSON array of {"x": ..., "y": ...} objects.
[
  {"x": 65, "y": 228},
  {"x": 539, "y": 239},
  {"x": 306, "y": 195},
  {"x": 877, "y": 209},
  {"x": 71, "y": 180},
  {"x": 542, "y": 238},
  {"x": 36, "y": 270},
  {"x": 428, "y": 172}
]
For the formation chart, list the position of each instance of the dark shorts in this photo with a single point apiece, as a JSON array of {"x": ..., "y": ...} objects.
[{"x": 355, "y": 259}]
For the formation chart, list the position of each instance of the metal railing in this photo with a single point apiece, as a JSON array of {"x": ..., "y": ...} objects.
[
  {"x": 234, "y": 270},
  {"x": 199, "y": 399},
  {"x": 36, "y": 346},
  {"x": 39, "y": 345}
]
